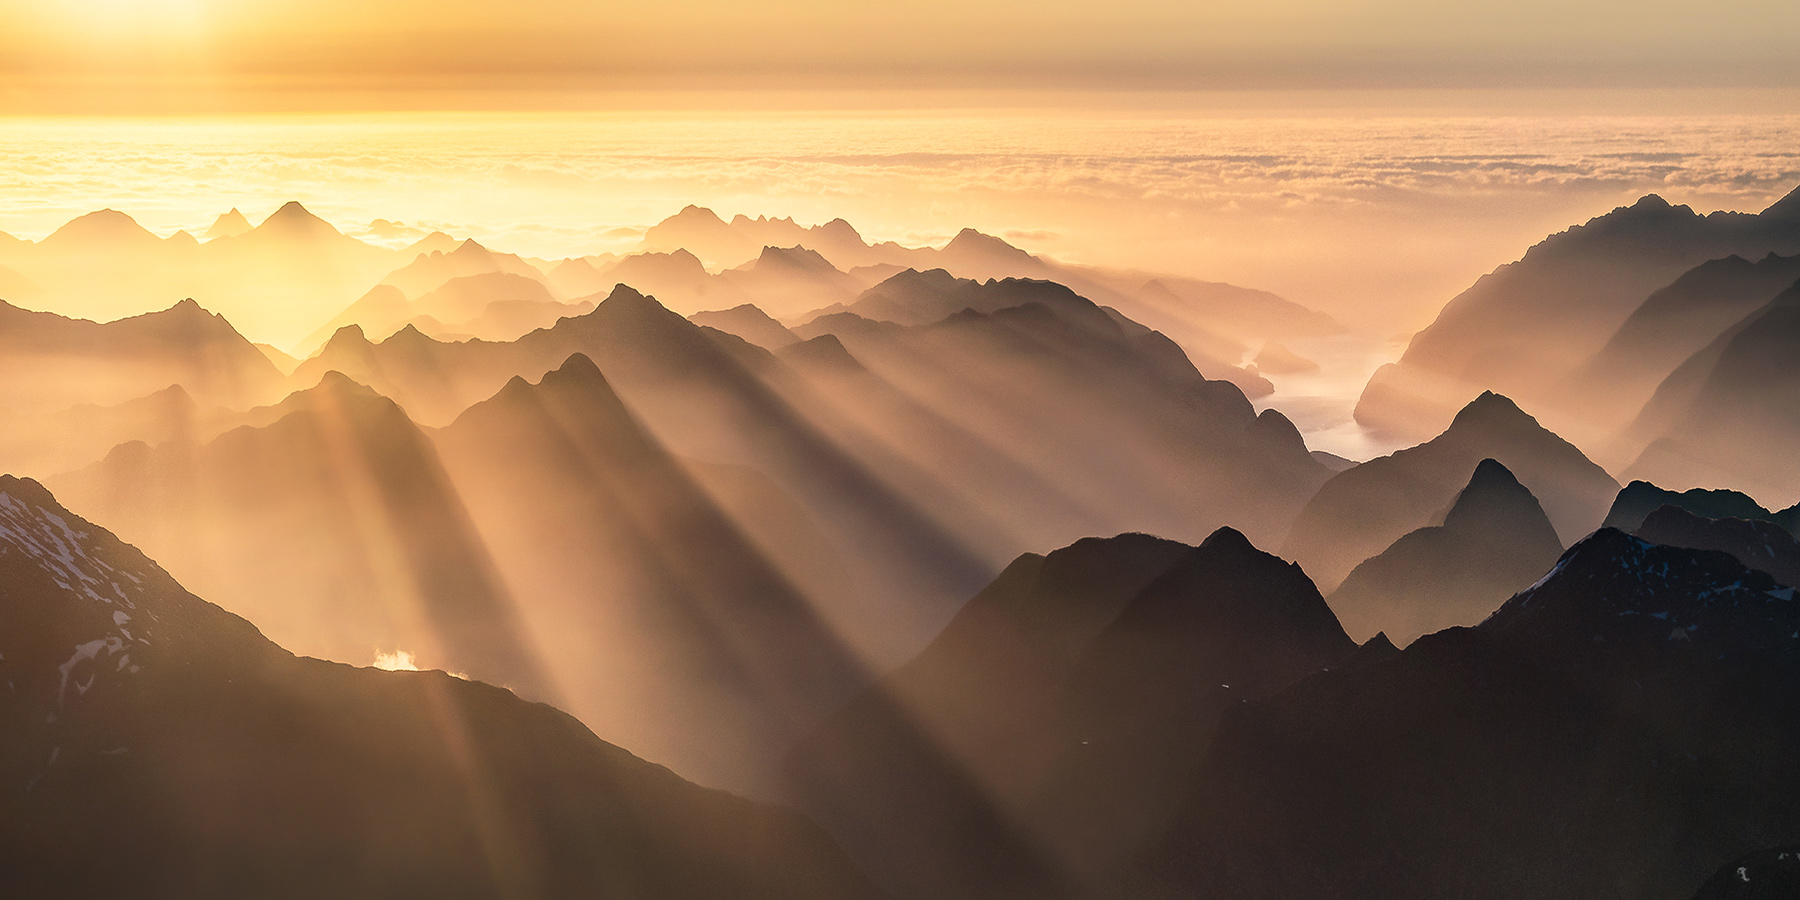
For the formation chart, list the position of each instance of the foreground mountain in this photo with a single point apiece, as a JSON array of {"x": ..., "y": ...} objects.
[
  {"x": 1523, "y": 327},
  {"x": 159, "y": 746},
  {"x": 1364, "y": 509},
  {"x": 1620, "y": 729},
  {"x": 1494, "y": 542},
  {"x": 1761, "y": 545},
  {"x": 330, "y": 519},
  {"x": 1042, "y": 738},
  {"x": 667, "y": 628},
  {"x": 1639, "y": 499}
]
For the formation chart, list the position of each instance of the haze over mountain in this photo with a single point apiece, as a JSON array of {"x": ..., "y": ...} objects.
[
  {"x": 50, "y": 362},
  {"x": 158, "y": 745},
  {"x": 1061, "y": 387},
  {"x": 331, "y": 521},
  {"x": 1524, "y": 327},
  {"x": 1713, "y": 420},
  {"x": 1494, "y": 541},
  {"x": 1366, "y": 508},
  {"x": 671, "y": 631},
  {"x": 702, "y": 402}
]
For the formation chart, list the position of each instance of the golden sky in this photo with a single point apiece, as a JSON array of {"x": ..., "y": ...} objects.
[{"x": 233, "y": 45}]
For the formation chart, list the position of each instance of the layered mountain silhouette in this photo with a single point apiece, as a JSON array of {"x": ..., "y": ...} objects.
[
  {"x": 1366, "y": 508},
  {"x": 670, "y": 629},
  {"x": 750, "y": 323},
  {"x": 276, "y": 280},
  {"x": 1208, "y": 319},
  {"x": 703, "y": 402},
  {"x": 1494, "y": 542},
  {"x": 1637, "y": 500},
  {"x": 1712, "y": 420},
  {"x": 160, "y": 746},
  {"x": 1671, "y": 325},
  {"x": 1039, "y": 741},
  {"x": 1620, "y": 729},
  {"x": 494, "y": 305},
  {"x": 430, "y": 271},
  {"x": 73, "y": 438},
  {"x": 330, "y": 519},
  {"x": 1063, "y": 389},
  {"x": 50, "y": 362},
  {"x": 912, "y": 297},
  {"x": 1756, "y": 543},
  {"x": 1526, "y": 325}
]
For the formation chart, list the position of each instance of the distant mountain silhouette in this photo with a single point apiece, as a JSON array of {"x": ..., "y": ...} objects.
[
  {"x": 922, "y": 298},
  {"x": 103, "y": 231},
  {"x": 701, "y": 402},
  {"x": 790, "y": 281},
  {"x": 1673, "y": 324},
  {"x": 1756, "y": 543},
  {"x": 1042, "y": 737},
  {"x": 1641, "y": 498},
  {"x": 50, "y": 362},
  {"x": 1208, "y": 319},
  {"x": 229, "y": 224},
  {"x": 672, "y": 632},
  {"x": 160, "y": 746},
  {"x": 750, "y": 323},
  {"x": 429, "y": 272},
  {"x": 1713, "y": 419},
  {"x": 1363, "y": 510},
  {"x": 1494, "y": 542},
  {"x": 276, "y": 280},
  {"x": 1619, "y": 729},
  {"x": 1275, "y": 359},
  {"x": 1526, "y": 325},
  {"x": 1060, "y": 386},
  {"x": 81, "y": 435},
  {"x": 330, "y": 519}
]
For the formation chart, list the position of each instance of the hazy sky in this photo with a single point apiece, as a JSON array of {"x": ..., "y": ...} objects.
[{"x": 353, "y": 44}]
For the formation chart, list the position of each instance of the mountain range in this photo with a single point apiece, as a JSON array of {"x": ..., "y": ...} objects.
[
  {"x": 159, "y": 746},
  {"x": 1528, "y": 326}
]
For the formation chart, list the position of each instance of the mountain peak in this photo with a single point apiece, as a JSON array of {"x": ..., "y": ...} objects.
[
  {"x": 229, "y": 224},
  {"x": 294, "y": 219},
  {"x": 101, "y": 226},
  {"x": 1491, "y": 410},
  {"x": 797, "y": 257}
]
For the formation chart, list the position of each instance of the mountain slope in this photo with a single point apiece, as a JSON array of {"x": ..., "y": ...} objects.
[
  {"x": 1620, "y": 729},
  {"x": 1494, "y": 542},
  {"x": 702, "y": 401},
  {"x": 1040, "y": 738},
  {"x": 1527, "y": 324},
  {"x": 178, "y": 753},
  {"x": 329, "y": 519},
  {"x": 49, "y": 362},
  {"x": 1366, "y": 508},
  {"x": 1673, "y": 323},
  {"x": 1714, "y": 429},
  {"x": 669, "y": 630}
]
